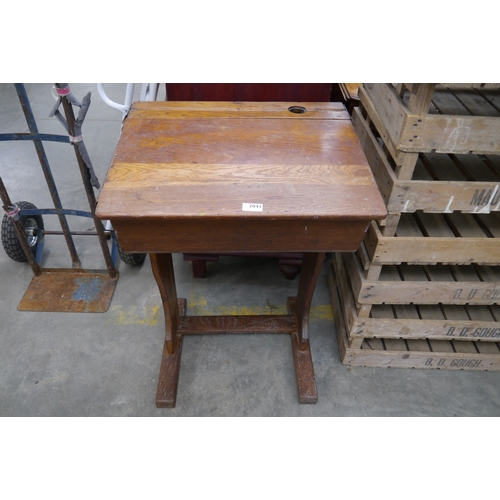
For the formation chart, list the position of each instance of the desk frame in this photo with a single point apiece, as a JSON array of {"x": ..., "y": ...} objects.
[
  {"x": 177, "y": 324},
  {"x": 181, "y": 178}
]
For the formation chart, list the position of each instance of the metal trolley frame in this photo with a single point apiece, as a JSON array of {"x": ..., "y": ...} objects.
[{"x": 60, "y": 289}]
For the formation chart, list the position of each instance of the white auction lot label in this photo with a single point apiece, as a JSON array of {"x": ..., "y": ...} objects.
[{"x": 252, "y": 207}]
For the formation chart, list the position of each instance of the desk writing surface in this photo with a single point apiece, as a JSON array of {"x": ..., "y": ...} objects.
[{"x": 185, "y": 173}]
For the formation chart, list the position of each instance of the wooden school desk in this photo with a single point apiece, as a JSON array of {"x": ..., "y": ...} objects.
[{"x": 238, "y": 177}]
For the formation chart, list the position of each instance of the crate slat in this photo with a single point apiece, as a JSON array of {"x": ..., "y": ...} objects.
[
  {"x": 439, "y": 183},
  {"x": 429, "y": 249},
  {"x": 419, "y": 285},
  {"x": 413, "y": 322},
  {"x": 404, "y": 131},
  {"x": 402, "y": 353}
]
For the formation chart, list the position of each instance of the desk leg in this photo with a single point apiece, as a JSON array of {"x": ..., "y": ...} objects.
[
  {"x": 312, "y": 266},
  {"x": 163, "y": 271},
  {"x": 299, "y": 307}
]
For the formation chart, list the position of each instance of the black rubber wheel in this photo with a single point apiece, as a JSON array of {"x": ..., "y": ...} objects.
[
  {"x": 30, "y": 223},
  {"x": 132, "y": 259}
]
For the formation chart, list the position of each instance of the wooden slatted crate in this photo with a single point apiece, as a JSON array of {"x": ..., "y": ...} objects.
[
  {"x": 439, "y": 182},
  {"x": 423, "y": 290},
  {"x": 422, "y": 320},
  {"x": 411, "y": 126},
  {"x": 431, "y": 238},
  {"x": 414, "y": 284},
  {"x": 414, "y": 337}
]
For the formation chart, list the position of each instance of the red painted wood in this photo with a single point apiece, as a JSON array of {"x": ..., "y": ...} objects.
[{"x": 299, "y": 92}]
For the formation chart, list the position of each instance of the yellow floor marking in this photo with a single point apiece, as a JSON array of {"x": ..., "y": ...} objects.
[{"x": 134, "y": 315}]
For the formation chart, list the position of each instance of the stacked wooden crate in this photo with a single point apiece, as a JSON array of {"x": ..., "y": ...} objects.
[{"x": 423, "y": 291}]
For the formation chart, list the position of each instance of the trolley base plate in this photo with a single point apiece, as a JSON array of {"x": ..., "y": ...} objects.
[{"x": 69, "y": 290}]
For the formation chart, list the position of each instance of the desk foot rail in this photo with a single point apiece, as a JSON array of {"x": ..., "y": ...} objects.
[
  {"x": 304, "y": 367},
  {"x": 168, "y": 379},
  {"x": 166, "y": 393}
]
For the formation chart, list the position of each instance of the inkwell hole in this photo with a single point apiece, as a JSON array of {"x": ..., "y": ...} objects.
[{"x": 297, "y": 109}]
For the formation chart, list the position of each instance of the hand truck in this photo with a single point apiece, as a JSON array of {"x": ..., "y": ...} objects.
[{"x": 23, "y": 235}]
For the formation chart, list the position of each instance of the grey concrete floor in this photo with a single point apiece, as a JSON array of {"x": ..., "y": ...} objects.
[{"x": 80, "y": 364}]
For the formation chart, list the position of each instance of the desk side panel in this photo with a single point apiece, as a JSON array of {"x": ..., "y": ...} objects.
[{"x": 209, "y": 235}]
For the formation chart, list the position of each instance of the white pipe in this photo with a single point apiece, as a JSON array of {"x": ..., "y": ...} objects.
[
  {"x": 124, "y": 108},
  {"x": 129, "y": 95},
  {"x": 149, "y": 92},
  {"x": 153, "y": 91}
]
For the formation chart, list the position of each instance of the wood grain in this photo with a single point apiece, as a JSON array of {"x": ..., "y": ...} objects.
[
  {"x": 168, "y": 378},
  {"x": 163, "y": 272},
  {"x": 202, "y": 234},
  {"x": 195, "y": 325},
  {"x": 293, "y": 165}
]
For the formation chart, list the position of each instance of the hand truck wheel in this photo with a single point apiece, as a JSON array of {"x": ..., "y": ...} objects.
[
  {"x": 31, "y": 225},
  {"x": 132, "y": 259}
]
